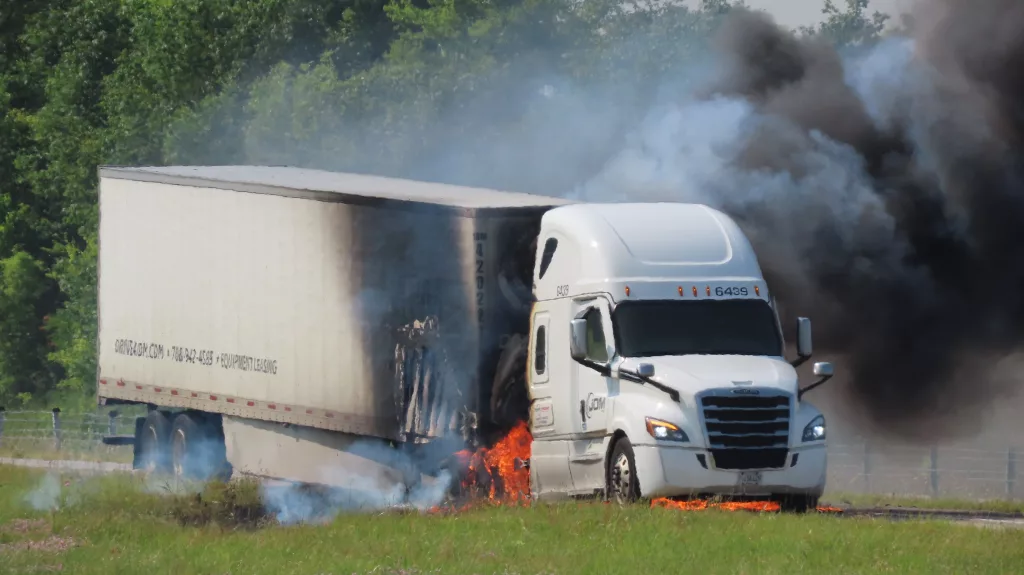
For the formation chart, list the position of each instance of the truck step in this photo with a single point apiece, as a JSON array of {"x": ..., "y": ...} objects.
[{"x": 119, "y": 440}]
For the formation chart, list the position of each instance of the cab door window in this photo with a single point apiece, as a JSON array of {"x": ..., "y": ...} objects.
[{"x": 597, "y": 349}]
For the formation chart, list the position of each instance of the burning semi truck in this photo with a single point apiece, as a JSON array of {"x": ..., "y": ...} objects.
[{"x": 307, "y": 325}]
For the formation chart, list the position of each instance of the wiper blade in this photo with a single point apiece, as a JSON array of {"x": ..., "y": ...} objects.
[
  {"x": 634, "y": 376},
  {"x": 605, "y": 370}
]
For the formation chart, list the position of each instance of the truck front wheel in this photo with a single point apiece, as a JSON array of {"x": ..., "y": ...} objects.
[
  {"x": 798, "y": 503},
  {"x": 622, "y": 484}
]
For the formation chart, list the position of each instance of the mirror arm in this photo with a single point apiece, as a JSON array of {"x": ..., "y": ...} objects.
[
  {"x": 803, "y": 390},
  {"x": 800, "y": 360}
]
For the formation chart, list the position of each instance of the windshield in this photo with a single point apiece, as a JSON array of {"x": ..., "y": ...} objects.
[{"x": 709, "y": 327}]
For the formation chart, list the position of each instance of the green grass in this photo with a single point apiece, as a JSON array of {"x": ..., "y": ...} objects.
[
  {"x": 115, "y": 524},
  {"x": 32, "y": 449}
]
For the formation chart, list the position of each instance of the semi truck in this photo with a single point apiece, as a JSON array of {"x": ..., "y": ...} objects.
[{"x": 308, "y": 326}]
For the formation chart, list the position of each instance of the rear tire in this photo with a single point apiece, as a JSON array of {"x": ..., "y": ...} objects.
[
  {"x": 623, "y": 487},
  {"x": 152, "y": 443},
  {"x": 197, "y": 448}
]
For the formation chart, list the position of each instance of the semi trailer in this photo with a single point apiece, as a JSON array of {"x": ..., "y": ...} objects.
[{"x": 303, "y": 325}]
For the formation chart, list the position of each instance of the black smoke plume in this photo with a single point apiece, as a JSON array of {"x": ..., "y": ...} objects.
[{"x": 905, "y": 242}]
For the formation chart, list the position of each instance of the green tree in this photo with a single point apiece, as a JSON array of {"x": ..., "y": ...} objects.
[
  {"x": 22, "y": 340},
  {"x": 852, "y": 27}
]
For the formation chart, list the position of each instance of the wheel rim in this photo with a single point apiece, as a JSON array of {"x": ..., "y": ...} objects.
[
  {"x": 179, "y": 445},
  {"x": 622, "y": 476},
  {"x": 151, "y": 452}
]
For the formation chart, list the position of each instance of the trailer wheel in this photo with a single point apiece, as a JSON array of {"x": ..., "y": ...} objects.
[
  {"x": 152, "y": 443},
  {"x": 622, "y": 483},
  {"x": 197, "y": 449}
]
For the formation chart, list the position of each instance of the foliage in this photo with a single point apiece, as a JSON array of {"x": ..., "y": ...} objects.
[
  {"x": 852, "y": 27},
  {"x": 419, "y": 88}
]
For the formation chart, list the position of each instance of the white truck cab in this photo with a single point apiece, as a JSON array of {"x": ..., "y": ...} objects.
[{"x": 656, "y": 363}]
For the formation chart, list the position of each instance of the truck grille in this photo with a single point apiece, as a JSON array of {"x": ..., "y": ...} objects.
[{"x": 747, "y": 432}]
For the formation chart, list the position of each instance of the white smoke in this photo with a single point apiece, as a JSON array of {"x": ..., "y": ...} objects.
[{"x": 46, "y": 496}]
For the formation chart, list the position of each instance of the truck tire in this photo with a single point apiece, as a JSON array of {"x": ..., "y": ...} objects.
[
  {"x": 152, "y": 443},
  {"x": 197, "y": 449},
  {"x": 622, "y": 484},
  {"x": 510, "y": 402},
  {"x": 798, "y": 503}
]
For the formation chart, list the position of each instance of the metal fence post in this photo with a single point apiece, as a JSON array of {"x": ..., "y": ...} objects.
[
  {"x": 56, "y": 428},
  {"x": 935, "y": 471},
  {"x": 112, "y": 424},
  {"x": 867, "y": 467},
  {"x": 1011, "y": 471},
  {"x": 3, "y": 415}
]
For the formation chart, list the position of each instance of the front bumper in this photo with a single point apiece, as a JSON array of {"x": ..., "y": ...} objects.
[{"x": 677, "y": 472}]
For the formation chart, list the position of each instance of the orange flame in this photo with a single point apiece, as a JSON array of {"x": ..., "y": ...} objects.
[
  {"x": 507, "y": 484},
  {"x": 701, "y": 504}
]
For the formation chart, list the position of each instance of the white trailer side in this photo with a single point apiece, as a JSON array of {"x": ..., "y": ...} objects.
[{"x": 275, "y": 293}]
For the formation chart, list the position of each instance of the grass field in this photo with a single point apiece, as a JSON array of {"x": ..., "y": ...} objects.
[
  {"x": 44, "y": 450},
  {"x": 116, "y": 524}
]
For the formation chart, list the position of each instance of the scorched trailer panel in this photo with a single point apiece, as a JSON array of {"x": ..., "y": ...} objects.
[{"x": 345, "y": 302}]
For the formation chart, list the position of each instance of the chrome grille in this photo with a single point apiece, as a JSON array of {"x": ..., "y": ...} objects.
[{"x": 747, "y": 431}]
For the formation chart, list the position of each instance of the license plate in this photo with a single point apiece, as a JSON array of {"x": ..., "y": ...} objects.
[{"x": 750, "y": 478}]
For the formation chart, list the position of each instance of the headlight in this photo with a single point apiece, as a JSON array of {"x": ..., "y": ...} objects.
[
  {"x": 815, "y": 430},
  {"x": 664, "y": 430}
]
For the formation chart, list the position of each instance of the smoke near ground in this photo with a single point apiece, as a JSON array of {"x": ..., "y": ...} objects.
[
  {"x": 882, "y": 191},
  {"x": 46, "y": 495}
]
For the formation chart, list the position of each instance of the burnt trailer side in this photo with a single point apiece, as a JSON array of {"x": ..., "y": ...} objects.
[{"x": 363, "y": 305}]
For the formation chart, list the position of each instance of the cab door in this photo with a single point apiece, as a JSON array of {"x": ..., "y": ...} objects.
[
  {"x": 593, "y": 393},
  {"x": 549, "y": 391}
]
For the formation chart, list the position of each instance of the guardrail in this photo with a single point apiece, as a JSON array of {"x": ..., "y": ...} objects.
[
  {"x": 944, "y": 471},
  {"x": 947, "y": 471}
]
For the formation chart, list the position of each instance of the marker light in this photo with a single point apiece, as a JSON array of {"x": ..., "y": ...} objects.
[
  {"x": 707, "y": 289},
  {"x": 627, "y": 291},
  {"x": 757, "y": 290},
  {"x": 694, "y": 291},
  {"x": 680, "y": 291}
]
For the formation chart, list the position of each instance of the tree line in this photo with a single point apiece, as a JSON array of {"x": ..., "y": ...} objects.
[{"x": 434, "y": 89}]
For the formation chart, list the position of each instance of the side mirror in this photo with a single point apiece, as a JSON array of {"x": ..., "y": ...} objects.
[
  {"x": 645, "y": 370},
  {"x": 804, "y": 348},
  {"x": 824, "y": 371},
  {"x": 578, "y": 339}
]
